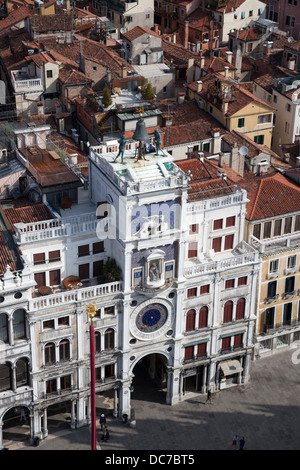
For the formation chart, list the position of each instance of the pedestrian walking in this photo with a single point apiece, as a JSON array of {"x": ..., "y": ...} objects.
[
  {"x": 209, "y": 397},
  {"x": 235, "y": 441},
  {"x": 242, "y": 443},
  {"x": 102, "y": 422},
  {"x": 106, "y": 435}
]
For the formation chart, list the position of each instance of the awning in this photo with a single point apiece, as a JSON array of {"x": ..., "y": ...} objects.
[{"x": 231, "y": 367}]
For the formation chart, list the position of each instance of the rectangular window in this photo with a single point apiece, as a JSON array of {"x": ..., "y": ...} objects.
[
  {"x": 38, "y": 258},
  {"x": 54, "y": 256},
  {"x": 267, "y": 229},
  {"x": 277, "y": 227},
  {"x": 194, "y": 228},
  {"x": 63, "y": 321},
  {"x": 201, "y": 349},
  {"x": 242, "y": 281},
  {"x": 40, "y": 279},
  {"x": 169, "y": 268},
  {"x": 51, "y": 386},
  {"x": 98, "y": 268},
  {"x": 256, "y": 231},
  {"x": 272, "y": 289},
  {"x": 216, "y": 244},
  {"x": 229, "y": 284},
  {"x": 204, "y": 289},
  {"x": 49, "y": 74},
  {"x": 192, "y": 250},
  {"x": 137, "y": 277},
  {"x": 192, "y": 292},
  {"x": 230, "y": 221},
  {"x": 48, "y": 324},
  {"x": 287, "y": 313},
  {"x": 206, "y": 146},
  {"x": 297, "y": 223},
  {"x": 54, "y": 277},
  {"x": 109, "y": 310},
  {"x": 228, "y": 242},
  {"x": 243, "y": 15},
  {"x": 241, "y": 122},
  {"x": 291, "y": 262},
  {"x": 238, "y": 340},
  {"x": 269, "y": 318},
  {"x": 218, "y": 224},
  {"x": 84, "y": 271},
  {"x": 188, "y": 352},
  {"x": 289, "y": 285},
  {"x": 65, "y": 382},
  {"x": 259, "y": 139},
  {"x": 264, "y": 118},
  {"x": 273, "y": 266},
  {"x": 83, "y": 250},
  {"x": 288, "y": 225},
  {"x": 226, "y": 343},
  {"x": 98, "y": 247}
]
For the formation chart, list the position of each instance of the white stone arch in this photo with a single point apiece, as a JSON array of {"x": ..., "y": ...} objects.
[{"x": 168, "y": 356}]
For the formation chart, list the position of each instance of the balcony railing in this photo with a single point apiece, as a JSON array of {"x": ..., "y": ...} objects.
[
  {"x": 288, "y": 324},
  {"x": 77, "y": 295},
  {"x": 21, "y": 83}
]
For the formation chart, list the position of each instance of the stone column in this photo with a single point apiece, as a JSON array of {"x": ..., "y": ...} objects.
[
  {"x": 14, "y": 378},
  {"x": 45, "y": 426},
  {"x": 10, "y": 330},
  {"x": 173, "y": 386},
  {"x": 115, "y": 412},
  {"x": 124, "y": 399},
  {"x": 204, "y": 378},
  {"x": 73, "y": 415}
]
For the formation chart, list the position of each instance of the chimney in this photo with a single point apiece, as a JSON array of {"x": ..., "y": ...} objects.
[
  {"x": 202, "y": 62},
  {"x": 190, "y": 71},
  {"x": 186, "y": 34},
  {"x": 267, "y": 48},
  {"x": 226, "y": 70},
  {"x": 229, "y": 55},
  {"x": 199, "y": 86},
  {"x": 124, "y": 72},
  {"x": 180, "y": 97},
  {"x": 174, "y": 38},
  {"x": 291, "y": 63},
  {"x": 225, "y": 107}
]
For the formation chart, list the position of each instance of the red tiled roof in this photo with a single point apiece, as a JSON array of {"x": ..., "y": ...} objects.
[
  {"x": 136, "y": 32},
  {"x": 26, "y": 214},
  {"x": 205, "y": 183},
  {"x": 240, "y": 96},
  {"x": 270, "y": 196},
  {"x": 46, "y": 23},
  {"x": 69, "y": 76},
  {"x": 15, "y": 17},
  {"x": 247, "y": 34}
]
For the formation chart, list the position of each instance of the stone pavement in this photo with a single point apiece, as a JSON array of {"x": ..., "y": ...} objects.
[{"x": 266, "y": 412}]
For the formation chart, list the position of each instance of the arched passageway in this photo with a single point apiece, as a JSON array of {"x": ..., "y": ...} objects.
[
  {"x": 150, "y": 379},
  {"x": 16, "y": 425}
]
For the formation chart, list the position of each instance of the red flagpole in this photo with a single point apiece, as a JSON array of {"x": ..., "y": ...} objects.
[{"x": 93, "y": 394}]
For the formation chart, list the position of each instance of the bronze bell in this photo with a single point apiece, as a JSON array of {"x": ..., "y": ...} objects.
[{"x": 140, "y": 131}]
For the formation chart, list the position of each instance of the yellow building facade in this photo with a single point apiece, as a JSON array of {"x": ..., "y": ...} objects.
[{"x": 234, "y": 107}]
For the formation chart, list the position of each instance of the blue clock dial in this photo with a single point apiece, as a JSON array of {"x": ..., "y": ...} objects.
[{"x": 151, "y": 318}]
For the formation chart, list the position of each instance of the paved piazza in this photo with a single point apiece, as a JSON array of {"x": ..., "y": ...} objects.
[{"x": 266, "y": 412}]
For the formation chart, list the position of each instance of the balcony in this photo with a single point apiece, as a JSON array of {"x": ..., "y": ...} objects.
[
  {"x": 275, "y": 244},
  {"x": 278, "y": 327},
  {"x": 22, "y": 82},
  {"x": 76, "y": 295}
]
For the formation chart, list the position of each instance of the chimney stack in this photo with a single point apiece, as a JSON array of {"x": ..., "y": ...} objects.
[
  {"x": 186, "y": 33},
  {"x": 199, "y": 86}
]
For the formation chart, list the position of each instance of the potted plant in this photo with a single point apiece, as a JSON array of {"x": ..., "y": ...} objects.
[{"x": 112, "y": 271}]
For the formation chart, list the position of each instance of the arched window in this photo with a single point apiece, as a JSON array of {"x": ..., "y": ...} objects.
[
  {"x": 19, "y": 324},
  {"x": 3, "y": 328},
  {"x": 109, "y": 339},
  {"x": 97, "y": 342},
  {"x": 64, "y": 350},
  {"x": 49, "y": 354},
  {"x": 203, "y": 317},
  {"x": 190, "y": 320},
  {"x": 5, "y": 377},
  {"x": 240, "y": 308},
  {"x": 228, "y": 308},
  {"x": 22, "y": 377}
]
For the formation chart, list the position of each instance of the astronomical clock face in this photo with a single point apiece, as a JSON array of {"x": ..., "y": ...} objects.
[{"x": 151, "y": 319}]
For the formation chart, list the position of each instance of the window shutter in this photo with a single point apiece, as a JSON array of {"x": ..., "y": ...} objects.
[
  {"x": 39, "y": 258},
  {"x": 54, "y": 277},
  {"x": 228, "y": 307},
  {"x": 228, "y": 242},
  {"x": 190, "y": 320},
  {"x": 216, "y": 244},
  {"x": 54, "y": 255},
  {"x": 203, "y": 317},
  {"x": 84, "y": 271},
  {"x": 240, "y": 309}
]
